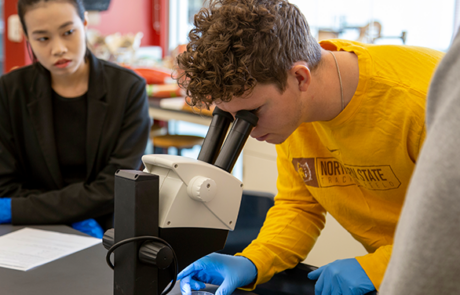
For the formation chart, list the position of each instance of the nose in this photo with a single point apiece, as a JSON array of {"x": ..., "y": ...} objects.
[
  {"x": 58, "y": 47},
  {"x": 253, "y": 135}
]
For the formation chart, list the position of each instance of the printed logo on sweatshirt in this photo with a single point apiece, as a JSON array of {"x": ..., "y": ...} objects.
[
  {"x": 305, "y": 167},
  {"x": 328, "y": 172}
]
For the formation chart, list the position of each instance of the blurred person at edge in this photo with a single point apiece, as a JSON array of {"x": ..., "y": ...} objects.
[
  {"x": 67, "y": 124},
  {"x": 426, "y": 255},
  {"x": 351, "y": 114}
]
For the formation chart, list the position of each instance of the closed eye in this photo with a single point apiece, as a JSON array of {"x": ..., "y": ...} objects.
[{"x": 255, "y": 111}]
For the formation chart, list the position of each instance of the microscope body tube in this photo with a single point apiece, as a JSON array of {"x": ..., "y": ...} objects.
[
  {"x": 245, "y": 122},
  {"x": 215, "y": 137}
]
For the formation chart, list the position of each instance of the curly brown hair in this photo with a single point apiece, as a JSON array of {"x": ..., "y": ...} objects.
[{"x": 238, "y": 43}]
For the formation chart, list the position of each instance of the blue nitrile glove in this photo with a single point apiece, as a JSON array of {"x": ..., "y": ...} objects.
[
  {"x": 5, "y": 210},
  {"x": 344, "y": 277},
  {"x": 89, "y": 227},
  {"x": 230, "y": 272}
]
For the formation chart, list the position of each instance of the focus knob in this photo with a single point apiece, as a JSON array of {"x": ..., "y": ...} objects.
[
  {"x": 109, "y": 238},
  {"x": 202, "y": 189},
  {"x": 156, "y": 254}
]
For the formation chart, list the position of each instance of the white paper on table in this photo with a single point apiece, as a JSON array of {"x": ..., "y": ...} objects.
[{"x": 28, "y": 248}]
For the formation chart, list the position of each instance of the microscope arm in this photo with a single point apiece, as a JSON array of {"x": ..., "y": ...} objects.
[{"x": 176, "y": 210}]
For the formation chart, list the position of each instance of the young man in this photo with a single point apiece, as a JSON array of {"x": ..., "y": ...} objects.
[
  {"x": 426, "y": 254},
  {"x": 348, "y": 121}
]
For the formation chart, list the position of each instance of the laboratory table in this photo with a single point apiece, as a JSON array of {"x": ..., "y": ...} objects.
[
  {"x": 86, "y": 272},
  {"x": 157, "y": 112}
]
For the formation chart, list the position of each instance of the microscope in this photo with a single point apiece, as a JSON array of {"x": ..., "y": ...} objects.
[{"x": 177, "y": 210}]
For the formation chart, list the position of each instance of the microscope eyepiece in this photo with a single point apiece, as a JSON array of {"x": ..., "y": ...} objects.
[
  {"x": 248, "y": 116},
  {"x": 237, "y": 137},
  {"x": 215, "y": 137}
]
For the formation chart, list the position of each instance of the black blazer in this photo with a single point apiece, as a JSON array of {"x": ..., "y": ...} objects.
[{"x": 117, "y": 132}]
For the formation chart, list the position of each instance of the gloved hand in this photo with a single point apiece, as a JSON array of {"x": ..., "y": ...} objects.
[
  {"x": 230, "y": 272},
  {"x": 89, "y": 227},
  {"x": 344, "y": 277},
  {"x": 5, "y": 210}
]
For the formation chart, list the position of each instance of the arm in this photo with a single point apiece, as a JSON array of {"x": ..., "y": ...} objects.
[
  {"x": 291, "y": 227},
  {"x": 92, "y": 198},
  {"x": 375, "y": 264},
  {"x": 288, "y": 234},
  {"x": 10, "y": 173}
]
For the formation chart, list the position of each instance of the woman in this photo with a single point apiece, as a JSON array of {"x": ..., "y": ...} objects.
[{"x": 67, "y": 124}]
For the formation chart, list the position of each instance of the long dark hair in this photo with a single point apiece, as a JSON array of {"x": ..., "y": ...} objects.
[{"x": 24, "y": 5}]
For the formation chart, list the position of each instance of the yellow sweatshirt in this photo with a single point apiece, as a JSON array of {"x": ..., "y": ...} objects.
[{"x": 357, "y": 166}]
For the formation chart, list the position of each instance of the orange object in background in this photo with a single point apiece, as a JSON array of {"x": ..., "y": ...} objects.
[{"x": 155, "y": 75}]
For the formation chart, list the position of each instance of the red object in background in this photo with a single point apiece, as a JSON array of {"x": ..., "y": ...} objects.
[
  {"x": 15, "y": 54},
  {"x": 163, "y": 32},
  {"x": 147, "y": 16},
  {"x": 127, "y": 17},
  {"x": 154, "y": 76}
]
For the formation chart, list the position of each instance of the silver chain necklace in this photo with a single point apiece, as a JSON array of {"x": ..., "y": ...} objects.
[{"x": 340, "y": 80}]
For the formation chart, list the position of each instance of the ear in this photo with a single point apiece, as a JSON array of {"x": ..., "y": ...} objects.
[
  {"x": 302, "y": 74},
  {"x": 85, "y": 22}
]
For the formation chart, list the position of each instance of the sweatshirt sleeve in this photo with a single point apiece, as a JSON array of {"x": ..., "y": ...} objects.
[
  {"x": 291, "y": 227},
  {"x": 375, "y": 264}
]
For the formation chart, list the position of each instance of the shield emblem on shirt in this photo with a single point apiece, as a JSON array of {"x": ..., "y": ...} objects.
[{"x": 305, "y": 167}]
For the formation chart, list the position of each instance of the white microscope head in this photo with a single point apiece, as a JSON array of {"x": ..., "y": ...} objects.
[{"x": 194, "y": 193}]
